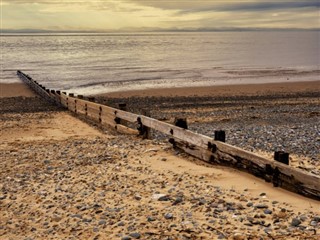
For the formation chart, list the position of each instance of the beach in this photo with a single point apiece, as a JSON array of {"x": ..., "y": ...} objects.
[{"x": 62, "y": 178}]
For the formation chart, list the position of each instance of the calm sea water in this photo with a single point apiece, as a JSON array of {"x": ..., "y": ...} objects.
[{"x": 110, "y": 62}]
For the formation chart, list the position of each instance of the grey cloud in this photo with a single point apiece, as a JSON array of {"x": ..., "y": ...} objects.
[
  {"x": 185, "y": 6},
  {"x": 265, "y": 6}
]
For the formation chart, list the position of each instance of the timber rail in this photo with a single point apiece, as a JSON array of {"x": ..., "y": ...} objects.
[{"x": 198, "y": 145}]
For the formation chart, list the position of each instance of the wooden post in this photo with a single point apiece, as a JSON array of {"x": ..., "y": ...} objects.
[
  {"x": 147, "y": 130},
  {"x": 220, "y": 136},
  {"x": 268, "y": 173},
  {"x": 91, "y": 99},
  {"x": 123, "y": 107},
  {"x": 143, "y": 130},
  {"x": 275, "y": 178},
  {"x": 282, "y": 157},
  {"x": 100, "y": 114},
  {"x": 75, "y": 105},
  {"x": 181, "y": 122}
]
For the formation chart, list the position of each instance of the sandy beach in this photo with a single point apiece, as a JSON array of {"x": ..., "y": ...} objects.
[{"x": 62, "y": 178}]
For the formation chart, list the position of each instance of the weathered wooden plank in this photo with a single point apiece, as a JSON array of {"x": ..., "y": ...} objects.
[
  {"x": 177, "y": 132},
  {"x": 130, "y": 117},
  {"x": 108, "y": 119},
  {"x": 93, "y": 110},
  {"x": 288, "y": 177},
  {"x": 38, "y": 89}
]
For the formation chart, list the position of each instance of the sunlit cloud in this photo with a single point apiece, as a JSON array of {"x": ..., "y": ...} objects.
[{"x": 112, "y": 15}]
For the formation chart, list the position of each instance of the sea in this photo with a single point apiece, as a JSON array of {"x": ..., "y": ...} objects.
[{"x": 110, "y": 62}]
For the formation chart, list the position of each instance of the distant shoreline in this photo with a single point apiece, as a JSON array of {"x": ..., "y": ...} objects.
[{"x": 133, "y": 31}]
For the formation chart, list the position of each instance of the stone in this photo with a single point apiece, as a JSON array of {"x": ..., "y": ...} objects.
[
  {"x": 164, "y": 198},
  {"x": 168, "y": 216},
  {"x": 46, "y": 162},
  {"x": 56, "y": 218},
  {"x": 261, "y": 206},
  {"x": 177, "y": 201},
  {"x": 137, "y": 197},
  {"x": 316, "y": 219},
  {"x": 126, "y": 238},
  {"x": 87, "y": 220},
  {"x": 249, "y": 204},
  {"x": 151, "y": 219},
  {"x": 157, "y": 196},
  {"x": 313, "y": 223},
  {"x": 295, "y": 222},
  {"x": 135, "y": 235},
  {"x": 102, "y": 222},
  {"x": 221, "y": 236},
  {"x": 267, "y": 211},
  {"x": 239, "y": 236},
  {"x": 303, "y": 218},
  {"x": 121, "y": 224}
]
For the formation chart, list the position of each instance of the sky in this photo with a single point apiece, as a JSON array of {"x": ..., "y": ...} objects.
[{"x": 126, "y": 15}]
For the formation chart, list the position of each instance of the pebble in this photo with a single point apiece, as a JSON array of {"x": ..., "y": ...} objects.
[
  {"x": 316, "y": 219},
  {"x": 126, "y": 238},
  {"x": 239, "y": 236},
  {"x": 267, "y": 211},
  {"x": 121, "y": 224},
  {"x": 102, "y": 222},
  {"x": 168, "y": 216},
  {"x": 164, "y": 198},
  {"x": 76, "y": 216},
  {"x": 151, "y": 219},
  {"x": 137, "y": 197},
  {"x": 177, "y": 201},
  {"x": 158, "y": 195},
  {"x": 249, "y": 204},
  {"x": 135, "y": 235},
  {"x": 313, "y": 223},
  {"x": 295, "y": 222},
  {"x": 2, "y": 197},
  {"x": 261, "y": 206}
]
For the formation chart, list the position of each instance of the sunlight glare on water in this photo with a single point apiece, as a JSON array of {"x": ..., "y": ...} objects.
[{"x": 111, "y": 62}]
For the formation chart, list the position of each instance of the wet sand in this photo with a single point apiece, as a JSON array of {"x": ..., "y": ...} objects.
[
  {"x": 215, "y": 91},
  {"x": 15, "y": 89}
]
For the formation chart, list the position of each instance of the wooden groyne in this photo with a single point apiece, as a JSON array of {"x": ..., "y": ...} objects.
[{"x": 211, "y": 150}]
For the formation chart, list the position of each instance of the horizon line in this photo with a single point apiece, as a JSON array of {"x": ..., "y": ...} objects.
[{"x": 155, "y": 30}]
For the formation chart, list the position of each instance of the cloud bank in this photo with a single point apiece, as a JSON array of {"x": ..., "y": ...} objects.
[{"x": 114, "y": 15}]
